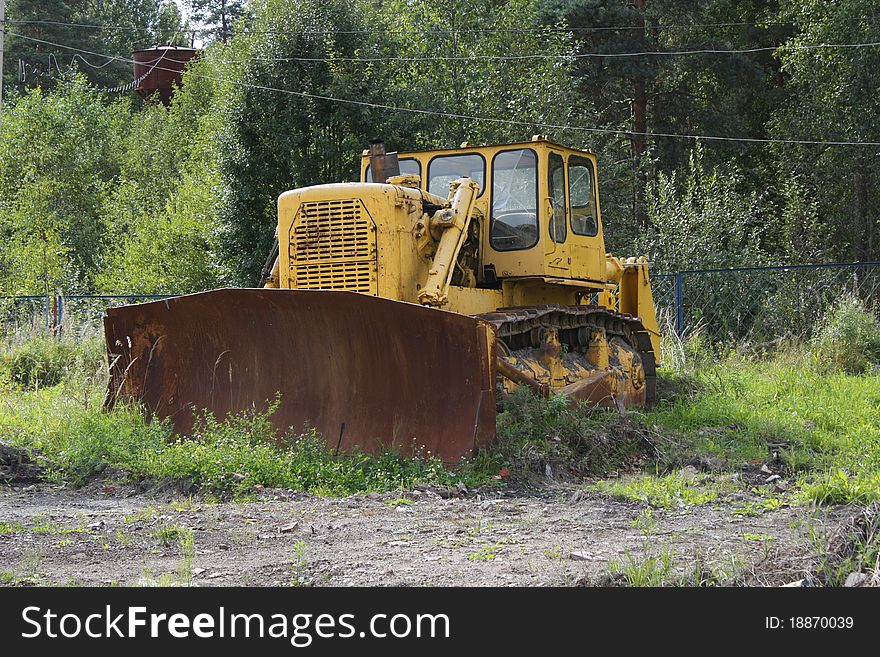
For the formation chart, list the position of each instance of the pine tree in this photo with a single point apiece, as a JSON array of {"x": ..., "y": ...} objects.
[{"x": 217, "y": 17}]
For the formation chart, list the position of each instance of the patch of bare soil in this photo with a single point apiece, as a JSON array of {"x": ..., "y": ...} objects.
[{"x": 556, "y": 534}]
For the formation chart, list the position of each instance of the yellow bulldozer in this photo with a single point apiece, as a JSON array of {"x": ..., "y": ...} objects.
[{"x": 399, "y": 311}]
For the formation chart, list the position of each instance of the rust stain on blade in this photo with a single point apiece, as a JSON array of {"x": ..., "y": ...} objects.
[{"x": 395, "y": 374}]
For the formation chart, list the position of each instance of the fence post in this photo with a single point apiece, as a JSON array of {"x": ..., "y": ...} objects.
[
  {"x": 679, "y": 308},
  {"x": 60, "y": 311}
]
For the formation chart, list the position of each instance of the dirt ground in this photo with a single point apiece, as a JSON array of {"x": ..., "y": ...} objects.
[{"x": 547, "y": 534}]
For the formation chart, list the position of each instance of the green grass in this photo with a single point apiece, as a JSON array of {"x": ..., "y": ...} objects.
[
  {"x": 400, "y": 501},
  {"x": 749, "y": 407},
  {"x": 187, "y": 551},
  {"x": 49, "y": 527},
  {"x": 824, "y": 425},
  {"x": 666, "y": 568},
  {"x": 168, "y": 535},
  {"x": 235, "y": 454},
  {"x": 486, "y": 553},
  {"x": 7, "y": 527},
  {"x": 648, "y": 571},
  {"x": 298, "y": 564},
  {"x": 756, "y": 508},
  {"x": 667, "y": 492},
  {"x": 839, "y": 487}
]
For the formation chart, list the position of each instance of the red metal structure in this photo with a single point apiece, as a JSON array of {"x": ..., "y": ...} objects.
[{"x": 157, "y": 70}]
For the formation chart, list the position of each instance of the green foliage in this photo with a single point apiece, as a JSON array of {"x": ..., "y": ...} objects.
[
  {"x": 58, "y": 155},
  {"x": 217, "y": 18},
  {"x": 97, "y": 198},
  {"x": 730, "y": 95},
  {"x": 162, "y": 214},
  {"x": 802, "y": 236},
  {"x": 40, "y": 360},
  {"x": 722, "y": 223},
  {"x": 298, "y": 563},
  {"x": 233, "y": 455},
  {"x": 168, "y": 535},
  {"x": 187, "y": 552},
  {"x": 848, "y": 338},
  {"x": 11, "y": 527},
  {"x": 829, "y": 94},
  {"x": 529, "y": 89},
  {"x": 94, "y": 439},
  {"x": 486, "y": 553}
]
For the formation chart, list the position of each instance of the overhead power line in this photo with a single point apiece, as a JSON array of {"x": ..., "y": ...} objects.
[
  {"x": 475, "y": 30},
  {"x": 471, "y": 117},
  {"x": 77, "y": 25},
  {"x": 520, "y": 30},
  {"x": 572, "y": 56},
  {"x": 525, "y": 56}
]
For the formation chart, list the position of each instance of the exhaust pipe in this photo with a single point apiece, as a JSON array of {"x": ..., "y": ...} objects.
[{"x": 382, "y": 165}]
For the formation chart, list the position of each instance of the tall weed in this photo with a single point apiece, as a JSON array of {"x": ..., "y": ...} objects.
[{"x": 848, "y": 339}]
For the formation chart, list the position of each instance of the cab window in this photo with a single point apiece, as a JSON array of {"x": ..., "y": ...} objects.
[
  {"x": 582, "y": 194},
  {"x": 558, "y": 229},
  {"x": 408, "y": 166},
  {"x": 514, "y": 223},
  {"x": 443, "y": 169}
]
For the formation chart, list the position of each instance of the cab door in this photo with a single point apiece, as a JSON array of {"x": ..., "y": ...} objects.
[
  {"x": 556, "y": 253},
  {"x": 587, "y": 242}
]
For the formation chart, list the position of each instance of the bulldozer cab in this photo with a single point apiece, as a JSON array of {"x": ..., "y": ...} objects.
[{"x": 537, "y": 205}]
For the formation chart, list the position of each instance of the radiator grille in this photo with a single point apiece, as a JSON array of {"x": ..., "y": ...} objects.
[{"x": 333, "y": 247}]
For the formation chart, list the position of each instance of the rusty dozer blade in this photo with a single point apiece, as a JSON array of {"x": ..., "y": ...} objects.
[{"x": 366, "y": 372}]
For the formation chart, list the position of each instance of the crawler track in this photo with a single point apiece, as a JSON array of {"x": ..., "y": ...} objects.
[{"x": 518, "y": 328}]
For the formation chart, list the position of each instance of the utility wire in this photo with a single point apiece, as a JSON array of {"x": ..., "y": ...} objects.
[
  {"x": 77, "y": 25},
  {"x": 478, "y": 30},
  {"x": 568, "y": 57},
  {"x": 598, "y": 28},
  {"x": 565, "y": 57},
  {"x": 542, "y": 56},
  {"x": 88, "y": 63},
  {"x": 470, "y": 117},
  {"x": 525, "y": 30}
]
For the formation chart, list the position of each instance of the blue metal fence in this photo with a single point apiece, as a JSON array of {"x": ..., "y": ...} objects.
[
  {"x": 90, "y": 308},
  {"x": 758, "y": 303},
  {"x": 54, "y": 311},
  {"x": 761, "y": 303}
]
